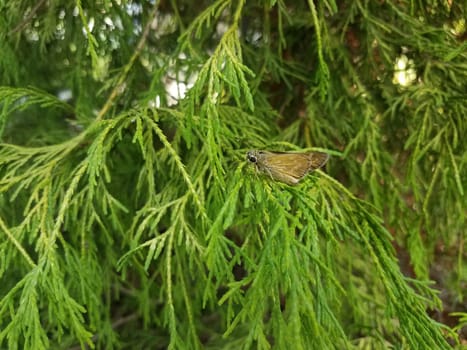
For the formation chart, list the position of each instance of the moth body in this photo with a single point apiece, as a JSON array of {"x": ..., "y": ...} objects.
[{"x": 287, "y": 167}]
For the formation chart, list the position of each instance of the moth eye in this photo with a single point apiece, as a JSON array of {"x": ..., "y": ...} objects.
[{"x": 252, "y": 158}]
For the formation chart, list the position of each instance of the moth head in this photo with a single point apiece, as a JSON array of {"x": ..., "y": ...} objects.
[{"x": 252, "y": 156}]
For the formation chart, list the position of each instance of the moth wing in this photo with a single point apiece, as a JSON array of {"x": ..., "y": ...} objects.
[
  {"x": 317, "y": 160},
  {"x": 292, "y": 167},
  {"x": 289, "y": 167},
  {"x": 298, "y": 163}
]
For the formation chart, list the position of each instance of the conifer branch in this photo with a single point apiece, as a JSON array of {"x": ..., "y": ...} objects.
[
  {"x": 180, "y": 166},
  {"x": 17, "y": 244},
  {"x": 158, "y": 211},
  {"x": 323, "y": 70}
]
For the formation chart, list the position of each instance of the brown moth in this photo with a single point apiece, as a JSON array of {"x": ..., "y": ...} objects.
[{"x": 287, "y": 167}]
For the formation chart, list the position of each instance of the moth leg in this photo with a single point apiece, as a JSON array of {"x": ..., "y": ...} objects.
[
  {"x": 257, "y": 171},
  {"x": 268, "y": 171}
]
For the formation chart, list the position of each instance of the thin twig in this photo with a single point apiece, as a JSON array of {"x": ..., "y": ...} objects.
[
  {"x": 117, "y": 323},
  {"x": 25, "y": 21},
  {"x": 118, "y": 87}
]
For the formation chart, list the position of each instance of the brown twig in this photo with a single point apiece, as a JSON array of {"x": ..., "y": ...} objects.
[
  {"x": 118, "y": 87},
  {"x": 25, "y": 21},
  {"x": 119, "y": 322}
]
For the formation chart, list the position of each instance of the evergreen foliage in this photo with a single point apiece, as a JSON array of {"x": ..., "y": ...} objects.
[{"x": 130, "y": 218}]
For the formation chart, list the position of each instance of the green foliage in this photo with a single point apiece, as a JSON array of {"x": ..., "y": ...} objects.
[{"x": 131, "y": 218}]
